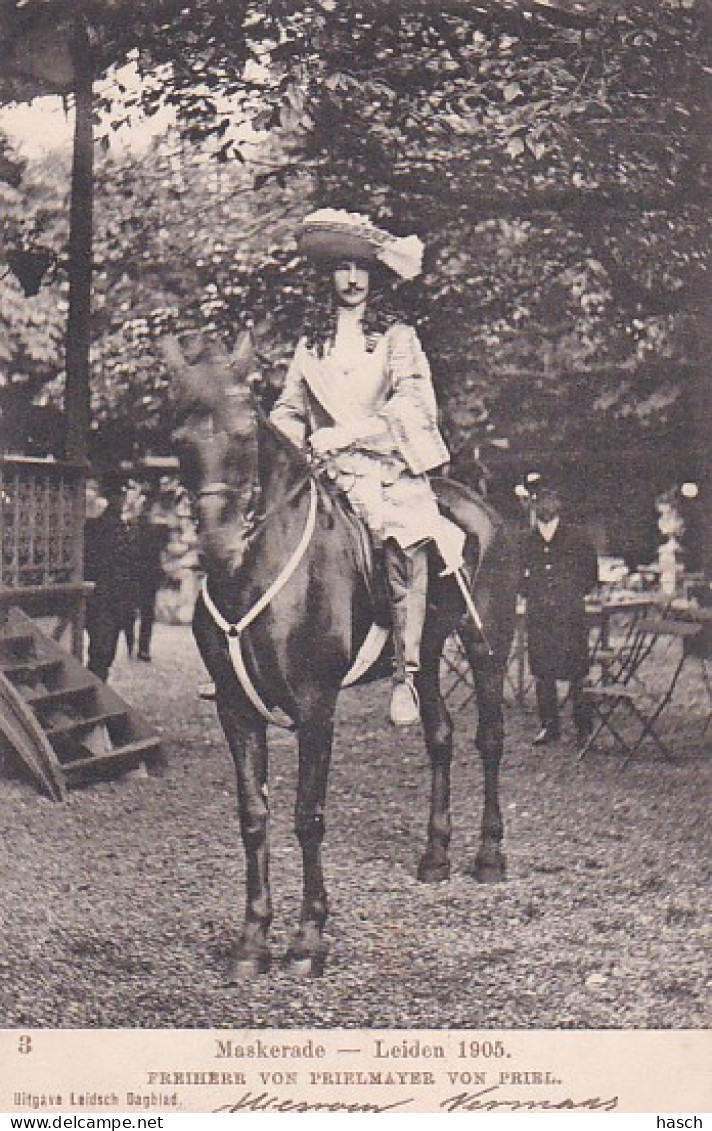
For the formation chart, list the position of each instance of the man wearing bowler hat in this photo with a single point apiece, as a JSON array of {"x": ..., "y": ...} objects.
[
  {"x": 359, "y": 392},
  {"x": 560, "y": 568}
]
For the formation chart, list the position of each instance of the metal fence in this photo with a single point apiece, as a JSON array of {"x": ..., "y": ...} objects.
[{"x": 42, "y": 537}]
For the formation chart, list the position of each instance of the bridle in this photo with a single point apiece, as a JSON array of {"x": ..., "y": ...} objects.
[
  {"x": 233, "y": 630},
  {"x": 254, "y": 521},
  {"x": 254, "y": 518}
]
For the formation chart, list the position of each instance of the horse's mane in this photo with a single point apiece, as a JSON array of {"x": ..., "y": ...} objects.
[
  {"x": 332, "y": 499},
  {"x": 330, "y": 493}
]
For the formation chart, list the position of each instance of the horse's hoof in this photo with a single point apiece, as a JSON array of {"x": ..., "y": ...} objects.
[
  {"x": 430, "y": 872},
  {"x": 305, "y": 965},
  {"x": 245, "y": 967},
  {"x": 489, "y": 868}
]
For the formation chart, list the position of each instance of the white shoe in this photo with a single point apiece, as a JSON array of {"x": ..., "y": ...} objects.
[{"x": 405, "y": 703}]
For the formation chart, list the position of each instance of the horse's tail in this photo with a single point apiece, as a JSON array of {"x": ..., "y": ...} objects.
[
  {"x": 492, "y": 558},
  {"x": 470, "y": 512}
]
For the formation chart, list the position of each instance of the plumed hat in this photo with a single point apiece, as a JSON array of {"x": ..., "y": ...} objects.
[{"x": 332, "y": 233}]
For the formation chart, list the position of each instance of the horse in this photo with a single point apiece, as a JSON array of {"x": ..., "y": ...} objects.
[{"x": 288, "y": 601}]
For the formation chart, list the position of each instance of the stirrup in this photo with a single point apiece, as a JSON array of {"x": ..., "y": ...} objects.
[{"x": 405, "y": 703}]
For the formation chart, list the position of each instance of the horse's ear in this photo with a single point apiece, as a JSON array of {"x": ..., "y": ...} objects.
[
  {"x": 186, "y": 388},
  {"x": 242, "y": 362}
]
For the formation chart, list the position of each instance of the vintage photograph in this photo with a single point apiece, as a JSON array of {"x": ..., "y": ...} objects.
[{"x": 355, "y": 520}]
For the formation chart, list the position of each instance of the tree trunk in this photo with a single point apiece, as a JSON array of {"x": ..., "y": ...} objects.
[{"x": 77, "y": 393}]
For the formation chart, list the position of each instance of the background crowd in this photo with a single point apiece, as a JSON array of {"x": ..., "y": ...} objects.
[{"x": 139, "y": 540}]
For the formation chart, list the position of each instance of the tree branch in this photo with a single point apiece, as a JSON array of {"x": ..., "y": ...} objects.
[
  {"x": 561, "y": 199},
  {"x": 630, "y": 294}
]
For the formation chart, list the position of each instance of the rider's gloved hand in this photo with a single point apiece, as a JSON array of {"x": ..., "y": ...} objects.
[{"x": 326, "y": 440}]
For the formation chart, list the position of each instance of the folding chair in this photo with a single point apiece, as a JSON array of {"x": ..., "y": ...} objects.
[
  {"x": 707, "y": 680},
  {"x": 708, "y": 687},
  {"x": 628, "y": 693},
  {"x": 458, "y": 687},
  {"x": 699, "y": 649},
  {"x": 610, "y": 657}
]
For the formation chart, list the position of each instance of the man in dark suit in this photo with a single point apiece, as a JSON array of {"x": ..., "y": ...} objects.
[
  {"x": 152, "y": 535},
  {"x": 110, "y": 562},
  {"x": 560, "y": 568}
]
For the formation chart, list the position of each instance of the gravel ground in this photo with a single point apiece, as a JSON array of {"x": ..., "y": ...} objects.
[{"x": 120, "y": 907}]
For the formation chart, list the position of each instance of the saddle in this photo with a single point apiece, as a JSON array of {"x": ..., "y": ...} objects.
[{"x": 462, "y": 505}]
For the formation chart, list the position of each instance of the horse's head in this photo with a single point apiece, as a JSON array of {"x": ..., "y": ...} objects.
[{"x": 216, "y": 437}]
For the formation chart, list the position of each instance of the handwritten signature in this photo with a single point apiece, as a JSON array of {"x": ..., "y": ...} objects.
[
  {"x": 482, "y": 1101},
  {"x": 266, "y": 1102},
  {"x": 464, "y": 1101}
]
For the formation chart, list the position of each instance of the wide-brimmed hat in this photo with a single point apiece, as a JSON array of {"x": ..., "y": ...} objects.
[{"x": 332, "y": 233}]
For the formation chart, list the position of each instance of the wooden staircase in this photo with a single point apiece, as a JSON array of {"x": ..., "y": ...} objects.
[{"x": 66, "y": 726}]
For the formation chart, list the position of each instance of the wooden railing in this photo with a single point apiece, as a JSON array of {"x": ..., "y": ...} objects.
[{"x": 42, "y": 539}]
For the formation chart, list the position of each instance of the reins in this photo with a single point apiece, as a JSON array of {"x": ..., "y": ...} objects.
[
  {"x": 254, "y": 518},
  {"x": 254, "y": 524},
  {"x": 257, "y": 520},
  {"x": 319, "y": 490},
  {"x": 234, "y": 631}
]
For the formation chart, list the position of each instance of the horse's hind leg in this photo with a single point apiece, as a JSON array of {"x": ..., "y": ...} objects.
[
  {"x": 434, "y": 864},
  {"x": 307, "y": 951},
  {"x": 489, "y": 865},
  {"x": 249, "y": 751}
]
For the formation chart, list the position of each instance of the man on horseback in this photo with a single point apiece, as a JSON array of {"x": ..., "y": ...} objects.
[
  {"x": 285, "y": 606},
  {"x": 359, "y": 392}
]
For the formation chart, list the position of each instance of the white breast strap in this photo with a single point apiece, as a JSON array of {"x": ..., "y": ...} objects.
[
  {"x": 368, "y": 653},
  {"x": 234, "y": 631}
]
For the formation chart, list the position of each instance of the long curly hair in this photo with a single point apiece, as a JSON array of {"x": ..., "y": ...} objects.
[{"x": 382, "y": 309}]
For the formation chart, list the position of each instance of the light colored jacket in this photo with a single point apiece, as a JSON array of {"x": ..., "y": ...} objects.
[{"x": 392, "y": 383}]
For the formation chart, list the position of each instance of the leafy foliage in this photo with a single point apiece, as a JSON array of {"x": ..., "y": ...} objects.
[
  {"x": 553, "y": 158},
  {"x": 31, "y": 328}
]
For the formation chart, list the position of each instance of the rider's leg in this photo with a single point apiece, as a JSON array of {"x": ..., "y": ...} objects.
[{"x": 407, "y": 575}]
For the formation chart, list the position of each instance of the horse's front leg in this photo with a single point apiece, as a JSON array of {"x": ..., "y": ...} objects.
[
  {"x": 308, "y": 949},
  {"x": 489, "y": 865},
  {"x": 248, "y": 747},
  {"x": 434, "y": 865}
]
